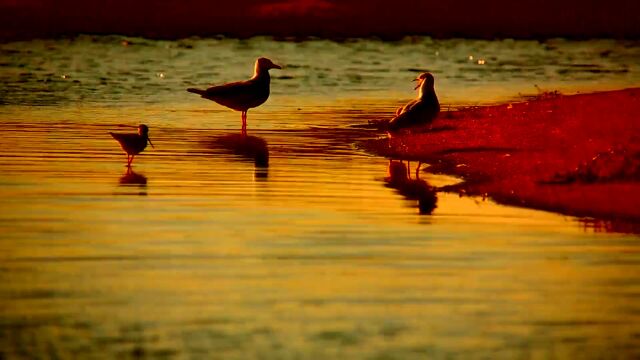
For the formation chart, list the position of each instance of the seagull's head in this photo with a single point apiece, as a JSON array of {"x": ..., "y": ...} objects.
[
  {"x": 143, "y": 130},
  {"x": 425, "y": 77},
  {"x": 266, "y": 64}
]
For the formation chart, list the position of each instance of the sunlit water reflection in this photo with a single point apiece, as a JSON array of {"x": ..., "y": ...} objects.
[
  {"x": 293, "y": 243},
  {"x": 202, "y": 249}
]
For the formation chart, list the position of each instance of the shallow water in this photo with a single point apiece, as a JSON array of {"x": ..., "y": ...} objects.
[{"x": 210, "y": 248}]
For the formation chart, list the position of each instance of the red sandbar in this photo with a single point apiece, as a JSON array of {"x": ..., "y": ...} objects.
[{"x": 577, "y": 154}]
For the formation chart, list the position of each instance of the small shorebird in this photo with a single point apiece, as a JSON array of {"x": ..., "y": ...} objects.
[
  {"x": 420, "y": 111},
  {"x": 242, "y": 95},
  {"x": 133, "y": 144}
]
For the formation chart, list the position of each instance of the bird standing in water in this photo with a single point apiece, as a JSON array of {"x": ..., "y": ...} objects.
[
  {"x": 421, "y": 111},
  {"x": 243, "y": 95},
  {"x": 133, "y": 144}
]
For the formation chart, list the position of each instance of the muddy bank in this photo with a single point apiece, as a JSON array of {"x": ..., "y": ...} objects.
[{"x": 576, "y": 154}]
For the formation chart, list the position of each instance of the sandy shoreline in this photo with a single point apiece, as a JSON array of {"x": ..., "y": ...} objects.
[{"x": 577, "y": 154}]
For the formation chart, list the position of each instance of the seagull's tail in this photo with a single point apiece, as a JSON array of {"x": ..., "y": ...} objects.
[{"x": 197, "y": 91}]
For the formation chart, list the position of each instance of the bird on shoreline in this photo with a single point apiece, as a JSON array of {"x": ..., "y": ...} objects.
[
  {"x": 420, "y": 111},
  {"x": 242, "y": 95},
  {"x": 133, "y": 144}
]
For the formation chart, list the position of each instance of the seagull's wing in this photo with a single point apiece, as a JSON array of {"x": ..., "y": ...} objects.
[
  {"x": 228, "y": 90},
  {"x": 409, "y": 106},
  {"x": 423, "y": 111},
  {"x": 238, "y": 95},
  {"x": 399, "y": 122}
]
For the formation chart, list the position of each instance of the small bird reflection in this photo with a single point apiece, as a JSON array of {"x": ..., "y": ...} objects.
[
  {"x": 250, "y": 147},
  {"x": 134, "y": 180},
  {"x": 399, "y": 178}
]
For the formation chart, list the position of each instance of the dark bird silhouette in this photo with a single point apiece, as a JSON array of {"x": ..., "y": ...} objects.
[
  {"x": 420, "y": 111},
  {"x": 243, "y": 95},
  {"x": 133, "y": 144}
]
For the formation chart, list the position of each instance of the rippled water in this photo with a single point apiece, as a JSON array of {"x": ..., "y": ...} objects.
[{"x": 293, "y": 243}]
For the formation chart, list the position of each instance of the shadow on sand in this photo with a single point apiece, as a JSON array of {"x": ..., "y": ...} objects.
[{"x": 399, "y": 178}]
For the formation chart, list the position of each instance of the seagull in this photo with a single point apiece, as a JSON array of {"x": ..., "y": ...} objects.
[
  {"x": 420, "y": 111},
  {"x": 133, "y": 144},
  {"x": 243, "y": 95}
]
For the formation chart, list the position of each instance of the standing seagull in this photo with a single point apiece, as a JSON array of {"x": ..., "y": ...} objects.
[
  {"x": 243, "y": 95},
  {"x": 133, "y": 144},
  {"x": 420, "y": 111}
]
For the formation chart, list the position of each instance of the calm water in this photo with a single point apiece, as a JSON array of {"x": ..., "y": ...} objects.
[{"x": 209, "y": 249}]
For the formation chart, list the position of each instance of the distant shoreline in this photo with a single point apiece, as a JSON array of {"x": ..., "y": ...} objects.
[
  {"x": 327, "y": 19},
  {"x": 6, "y": 37},
  {"x": 577, "y": 155}
]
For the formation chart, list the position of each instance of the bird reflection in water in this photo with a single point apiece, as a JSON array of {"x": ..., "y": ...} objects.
[
  {"x": 250, "y": 147},
  {"x": 399, "y": 178},
  {"x": 134, "y": 180}
]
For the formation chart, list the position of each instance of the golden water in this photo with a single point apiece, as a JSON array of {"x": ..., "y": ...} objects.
[{"x": 206, "y": 253}]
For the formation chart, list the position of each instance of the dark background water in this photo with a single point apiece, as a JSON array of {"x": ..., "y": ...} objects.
[{"x": 364, "y": 75}]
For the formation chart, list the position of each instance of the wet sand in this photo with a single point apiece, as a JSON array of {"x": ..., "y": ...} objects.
[{"x": 577, "y": 155}]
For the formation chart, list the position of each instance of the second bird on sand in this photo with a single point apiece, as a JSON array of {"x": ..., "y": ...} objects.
[{"x": 421, "y": 111}]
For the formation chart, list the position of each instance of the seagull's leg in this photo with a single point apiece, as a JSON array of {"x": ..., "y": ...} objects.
[
  {"x": 409, "y": 169},
  {"x": 131, "y": 161},
  {"x": 244, "y": 123},
  {"x": 418, "y": 170}
]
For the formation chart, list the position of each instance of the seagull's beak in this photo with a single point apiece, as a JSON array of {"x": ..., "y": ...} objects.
[
  {"x": 419, "y": 83},
  {"x": 151, "y": 143},
  {"x": 274, "y": 66}
]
